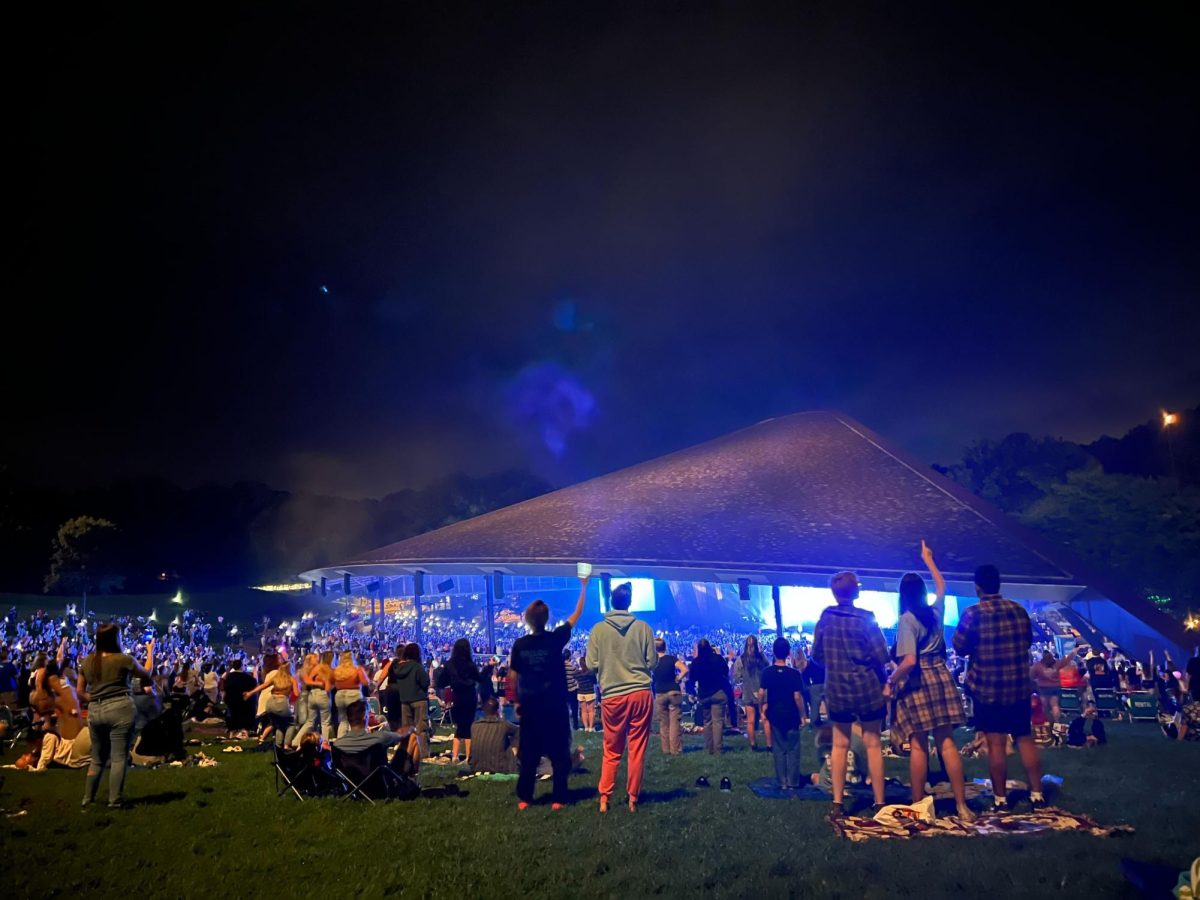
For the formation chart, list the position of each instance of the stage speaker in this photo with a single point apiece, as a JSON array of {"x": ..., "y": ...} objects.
[
  {"x": 314, "y": 587},
  {"x": 744, "y": 590},
  {"x": 418, "y": 583},
  {"x": 373, "y": 587},
  {"x": 346, "y": 583},
  {"x": 497, "y": 585},
  {"x": 323, "y": 585},
  {"x": 444, "y": 587}
]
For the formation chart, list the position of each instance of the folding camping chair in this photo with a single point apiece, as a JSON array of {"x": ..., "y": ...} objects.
[
  {"x": 446, "y": 702},
  {"x": 1143, "y": 706},
  {"x": 375, "y": 717},
  {"x": 1108, "y": 704},
  {"x": 17, "y": 729},
  {"x": 305, "y": 773},
  {"x": 1069, "y": 700},
  {"x": 367, "y": 774}
]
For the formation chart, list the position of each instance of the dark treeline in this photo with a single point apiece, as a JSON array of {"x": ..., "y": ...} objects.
[
  {"x": 1129, "y": 506},
  {"x": 220, "y": 536}
]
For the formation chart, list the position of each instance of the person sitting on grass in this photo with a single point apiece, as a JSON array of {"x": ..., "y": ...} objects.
[
  {"x": 1086, "y": 730},
  {"x": 848, "y": 643},
  {"x": 407, "y": 758},
  {"x": 856, "y": 758},
  {"x": 493, "y": 741}
]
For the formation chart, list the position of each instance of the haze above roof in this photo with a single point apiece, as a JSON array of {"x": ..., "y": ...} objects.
[{"x": 812, "y": 492}]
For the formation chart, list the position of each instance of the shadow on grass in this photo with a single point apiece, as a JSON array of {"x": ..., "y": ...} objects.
[
  {"x": 158, "y": 799},
  {"x": 664, "y": 796}
]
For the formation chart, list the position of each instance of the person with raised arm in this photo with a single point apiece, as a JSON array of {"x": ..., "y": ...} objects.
[
  {"x": 927, "y": 700},
  {"x": 540, "y": 682}
]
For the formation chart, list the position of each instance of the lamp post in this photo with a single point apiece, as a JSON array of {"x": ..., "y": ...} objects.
[{"x": 1169, "y": 420}]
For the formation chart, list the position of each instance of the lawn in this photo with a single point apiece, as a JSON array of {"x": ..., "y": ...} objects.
[{"x": 215, "y": 831}]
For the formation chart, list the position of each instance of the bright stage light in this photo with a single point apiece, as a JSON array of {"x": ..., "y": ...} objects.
[
  {"x": 178, "y": 598},
  {"x": 804, "y": 605},
  {"x": 641, "y": 594}
]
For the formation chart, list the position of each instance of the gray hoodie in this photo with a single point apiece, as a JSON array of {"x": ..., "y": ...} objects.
[{"x": 621, "y": 652}]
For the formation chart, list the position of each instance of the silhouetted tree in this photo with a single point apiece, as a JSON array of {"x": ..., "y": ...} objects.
[{"x": 84, "y": 558}]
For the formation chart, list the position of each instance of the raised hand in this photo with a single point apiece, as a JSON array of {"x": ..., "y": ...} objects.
[{"x": 926, "y": 553}]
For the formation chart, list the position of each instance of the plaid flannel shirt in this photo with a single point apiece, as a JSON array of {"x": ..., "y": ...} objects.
[
  {"x": 848, "y": 643},
  {"x": 996, "y": 634}
]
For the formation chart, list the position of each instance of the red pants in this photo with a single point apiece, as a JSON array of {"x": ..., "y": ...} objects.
[{"x": 626, "y": 721}]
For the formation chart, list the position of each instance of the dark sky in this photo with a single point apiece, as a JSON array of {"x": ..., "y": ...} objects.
[{"x": 338, "y": 252}]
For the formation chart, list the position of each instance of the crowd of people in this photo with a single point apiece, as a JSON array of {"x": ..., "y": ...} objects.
[{"x": 348, "y": 685}]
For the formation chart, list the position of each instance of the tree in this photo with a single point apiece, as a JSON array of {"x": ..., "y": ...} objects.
[
  {"x": 1147, "y": 530},
  {"x": 84, "y": 558}
]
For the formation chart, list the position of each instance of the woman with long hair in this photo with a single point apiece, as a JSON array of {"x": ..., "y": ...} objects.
[
  {"x": 927, "y": 700},
  {"x": 282, "y": 686},
  {"x": 748, "y": 669},
  {"x": 320, "y": 686},
  {"x": 707, "y": 676},
  {"x": 104, "y": 683},
  {"x": 464, "y": 676},
  {"x": 348, "y": 680}
]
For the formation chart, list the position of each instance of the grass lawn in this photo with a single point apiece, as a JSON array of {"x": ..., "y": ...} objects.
[{"x": 221, "y": 831}]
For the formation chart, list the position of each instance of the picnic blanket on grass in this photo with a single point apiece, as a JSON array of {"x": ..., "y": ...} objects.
[{"x": 894, "y": 822}]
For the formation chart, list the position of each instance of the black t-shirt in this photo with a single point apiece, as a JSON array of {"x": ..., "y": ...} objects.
[
  {"x": 538, "y": 661},
  {"x": 1193, "y": 674},
  {"x": 664, "y": 675},
  {"x": 781, "y": 684}
]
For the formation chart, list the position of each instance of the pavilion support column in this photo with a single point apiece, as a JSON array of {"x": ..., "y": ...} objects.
[
  {"x": 778, "y": 610},
  {"x": 606, "y": 591},
  {"x": 418, "y": 590},
  {"x": 495, "y": 584}
]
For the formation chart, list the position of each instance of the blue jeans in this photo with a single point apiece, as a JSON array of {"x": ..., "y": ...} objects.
[
  {"x": 110, "y": 725},
  {"x": 341, "y": 700},
  {"x": 293, "y": 732},
  {"x": 279, "y": 711},
  {"x": 785, "y": 747},
  {"x": 318, "y": 715}
]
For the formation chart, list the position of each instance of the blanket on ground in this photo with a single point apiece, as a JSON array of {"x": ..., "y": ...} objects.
[{"x": 894, "y": 822}]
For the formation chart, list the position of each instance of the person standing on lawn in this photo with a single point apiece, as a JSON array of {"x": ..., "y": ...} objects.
[
  {"x": 669, "y": 671},
  {"x": 782, "y": 698},
  {"x": 748, "y": 670},
  {"x": 104, "y": 683},
  {"x": 540, "y": 682},
  {"x": 621, "y": 650},
  {"x": 996, "y": 634},
  {"x": 927, "y": 700},
  {"x": 847, "y": 642}
]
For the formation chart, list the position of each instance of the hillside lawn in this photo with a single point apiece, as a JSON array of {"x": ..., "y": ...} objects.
[{"x": 196, "y": 832}]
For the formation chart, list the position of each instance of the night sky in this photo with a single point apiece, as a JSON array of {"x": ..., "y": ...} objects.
[{"x": 342, "y": 253}]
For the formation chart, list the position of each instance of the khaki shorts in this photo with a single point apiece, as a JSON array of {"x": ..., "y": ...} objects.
[{"x": 586, "y": 698}]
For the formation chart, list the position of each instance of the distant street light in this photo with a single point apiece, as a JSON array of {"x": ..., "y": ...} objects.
[{"x": 1169, "y": 419}]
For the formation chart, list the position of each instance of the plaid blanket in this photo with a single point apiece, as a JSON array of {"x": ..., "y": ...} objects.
[{"x": 893, "y": 822}]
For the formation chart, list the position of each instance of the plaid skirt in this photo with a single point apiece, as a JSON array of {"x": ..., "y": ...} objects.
[{"x": 931, "y": 700}]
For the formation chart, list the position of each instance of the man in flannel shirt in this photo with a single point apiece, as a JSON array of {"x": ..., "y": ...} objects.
[
  {"x": 996, "y": 634},
  {"x": 848, "y": 643}
]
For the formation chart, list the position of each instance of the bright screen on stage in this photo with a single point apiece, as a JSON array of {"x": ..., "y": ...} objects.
[
  {"x": 803, "y": 605},
  {"x": 642, "y": 594}
]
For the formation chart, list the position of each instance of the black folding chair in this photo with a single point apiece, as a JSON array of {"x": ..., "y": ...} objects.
[
  {"x": 305, "y": 773},
  {"x": 17, "y": 729},
  {"x": 367, "y": 774}
]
